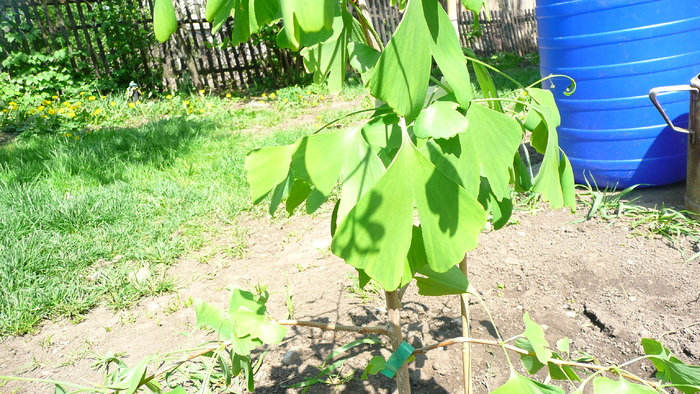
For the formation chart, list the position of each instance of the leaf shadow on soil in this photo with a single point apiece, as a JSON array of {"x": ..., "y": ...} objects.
[{"x": 281, "y": 377}]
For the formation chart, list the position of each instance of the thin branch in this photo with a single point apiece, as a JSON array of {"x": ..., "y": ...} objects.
[
  {"x": 490, "y": 342},
  {"x": 678, "y": 329},
  {"x": 80, "y": 388},
  {"x": 335, "y": 327}
]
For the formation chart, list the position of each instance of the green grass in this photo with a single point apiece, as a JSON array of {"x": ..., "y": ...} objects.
[{"x": 79, "y": 216}]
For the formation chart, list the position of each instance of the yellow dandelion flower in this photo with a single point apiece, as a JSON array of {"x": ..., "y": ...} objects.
[
  {"x": 202, "y": 91},
  {"x": 201, "y": 111},
  {"x": 103, "y": 97},
  {"x": 71, "y": 114},
  {"x": 46, "y": 102},
  {"x": 77, "y": 137},
  {"x": 264, "y": 94},
  {"x": 319, "y": 117},
  {"x": 67, "y": 134},
  {"x": 13, "y": 107},
  {"x": 74, "y": 107},
  {"x": 272, "y": 95},
  {"x": 66, "y": 104},
  {"x": 32, "y": 111},
  {"x": 322, "y": 97},
  {"x": 168, "y": 97},
  {"x": 54, "y": 97},
  {"x": 138, "y": 102},
  {"x": 113, "y": 103},
  {"x": 228, "y": 95},
  {"x": 284, "y": 100},
  {"x": 51, "y": 111},
  {"x": 132, "y": 105},
  {"x": 12, "y": 103},
  {"x": 96, "y": 112},
  {"x": 261, "y": 102},
  {"x": 314, "y": 103},
  {"x": 186, "y": 102},
  {"x": 5, "y": 110},
  {"x": 44, "y": 116},
  {"x": 92, "y": 98},
  {"x": 61, "y": 110},
  {"x": 82, "y": 93},
  {"x": 41, "y": 108},
  {"x": 308, "y": 92}
]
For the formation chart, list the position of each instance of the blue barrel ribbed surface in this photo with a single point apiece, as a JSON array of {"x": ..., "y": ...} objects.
[{"x": 617, "y": 50}]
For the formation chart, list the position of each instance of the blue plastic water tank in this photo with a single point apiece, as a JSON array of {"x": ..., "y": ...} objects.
[{"x": 617, "y": 50}]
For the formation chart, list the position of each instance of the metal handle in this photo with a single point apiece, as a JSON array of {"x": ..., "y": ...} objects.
[{"x": 664, "y": 89}]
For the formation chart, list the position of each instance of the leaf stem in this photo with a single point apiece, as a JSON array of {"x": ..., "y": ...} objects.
[
  {"x": 367, "y": 26},
  {"x": 343, "y": 117},
  {"x": 384, "y": 330},
  {"x": 492, "y": 68},
  {"x": 515, "y": 349}
]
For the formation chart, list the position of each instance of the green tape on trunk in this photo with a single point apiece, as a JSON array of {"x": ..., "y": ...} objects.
[{"x": 397, "y": 359}]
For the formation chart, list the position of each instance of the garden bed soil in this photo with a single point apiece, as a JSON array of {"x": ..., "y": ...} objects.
[{"x": 594, "y": 282}]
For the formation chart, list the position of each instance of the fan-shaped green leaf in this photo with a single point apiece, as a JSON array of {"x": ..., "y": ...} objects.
[
  {"x": 603, "y": 385},
  {"x": 522, "y": 385},
  {"x": 403, "y": 70},
  {"x": 495, "y": 138},
  {"x": 447, "y": 51},
  {"x": 535, "y": 334},
  {"x": 266, "y": 168},
  {"x": 433, "y": 283},
  {"x": 376, "y": 234},
  {"x": 164, "y": 19},
  {"x": 440, "y": 120}
]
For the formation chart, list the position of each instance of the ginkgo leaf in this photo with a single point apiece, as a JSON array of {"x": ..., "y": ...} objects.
[
  {"x": 523, "y": 385},
  {"x": 451, "y": 218},
  {"x": 495, "y": 138},
  {"x": 258, "y": 326},
  {"x": 164, "y": 19},
  {"x": 376, "y": 234},
  {"x": 402, "y": 72},
  {"x": 319, "y": 160},
  {"x": 603, "y": 385},
  {"x": 306, "y": 16},
  {"x": 474, "y": 5},
  {"x": 535, "y": 334},
  {"x": 361, "y": 170},
  {"x": 362, "y": 57},
  {"x": 682, "y": 376},
  {"x": 266, "y": 168},
  {"x": 447, "y": 51},
  {"x": 452, "y": 281},
  {"x": 440, "y": 120},
  {"x": 327, "y": 60}
]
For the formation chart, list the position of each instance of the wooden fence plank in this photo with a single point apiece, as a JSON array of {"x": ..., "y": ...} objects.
[{"x": 193, "y": 52}]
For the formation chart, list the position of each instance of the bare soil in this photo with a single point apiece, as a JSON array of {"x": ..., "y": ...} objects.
[
  {"x": 597, "y": 283},
  {"x": 593, "y": 282}
]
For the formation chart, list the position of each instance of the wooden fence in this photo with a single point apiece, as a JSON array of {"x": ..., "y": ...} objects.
[
  {"x": 193, "y": 57},
  {"x": 499, "y": 31}
]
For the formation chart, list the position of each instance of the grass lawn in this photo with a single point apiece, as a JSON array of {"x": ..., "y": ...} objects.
[
  {"x": 98, "y": 195},
  {"x": 90, "y": 215}
]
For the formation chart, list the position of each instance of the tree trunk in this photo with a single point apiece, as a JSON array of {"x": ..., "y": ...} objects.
[{"x": 393, "y": 306}]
